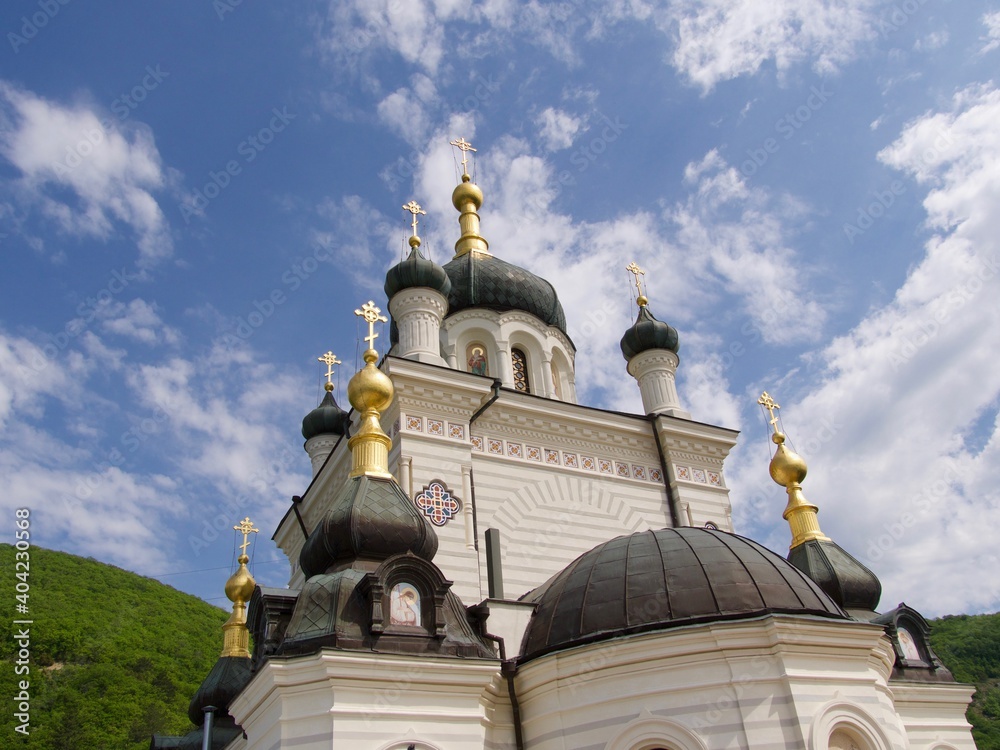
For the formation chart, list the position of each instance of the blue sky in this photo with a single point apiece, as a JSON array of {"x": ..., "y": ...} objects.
[{"x": 195, "y": 196}]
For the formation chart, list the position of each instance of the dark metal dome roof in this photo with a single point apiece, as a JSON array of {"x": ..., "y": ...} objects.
[
  {"x": 479, "y": 280},
  {"x": 416, "y": 271},
  {"x": 326, "y": 419},
  {"x": 654, "y": 580},
  {"x": 648, "y": 333}
]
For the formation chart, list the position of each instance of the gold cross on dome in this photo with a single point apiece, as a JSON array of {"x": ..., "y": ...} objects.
[
  {"x": 329, "y": 359},
  {"x": 370, "y": 313},
  {"x": 414, "y": 208},
  {"x": 634, "y": 269},
  {"x": 465, "y": 147},
  {"x": 768, "y": 403},
  {"x": 247, "y": 528}
]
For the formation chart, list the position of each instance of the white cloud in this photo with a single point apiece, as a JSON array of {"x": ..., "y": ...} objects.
[
  {"x": 718, "y": 40},
  {"x": 112, "y": 173},
  {"x": 906, "y": 468},
  {"x": 558, "y": 128},
  {"x": 992, "y": 23},
  {"x": 137, "y": 320}
]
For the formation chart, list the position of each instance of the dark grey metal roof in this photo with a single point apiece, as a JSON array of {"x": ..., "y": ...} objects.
[
  {"x": 653, "y": 580},
  {"x": 326, "y": 419},
  {"x": 844, "y": 579},
  {"x": 369, "y": 518},
  {"x": 416, "y": 271},
  {"x": 484, "y": 281},
  {"x": 648, "y": 333}
]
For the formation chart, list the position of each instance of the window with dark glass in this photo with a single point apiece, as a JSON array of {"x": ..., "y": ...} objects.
[{"x": 520, "y": 363}]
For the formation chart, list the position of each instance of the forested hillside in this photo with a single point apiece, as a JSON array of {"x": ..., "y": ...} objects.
[{"x": 115, "y": 656}]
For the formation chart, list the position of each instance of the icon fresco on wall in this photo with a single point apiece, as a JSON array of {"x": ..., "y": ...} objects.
[{"x": 404, "y": 605}]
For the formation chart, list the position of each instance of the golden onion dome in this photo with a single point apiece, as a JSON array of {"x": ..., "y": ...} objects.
[
  {"x": 787, "y": 467},
  {"x": 241, "y": 584},
  {"x": 370, "y": 389},
  {"x": 467, "y": 192}
]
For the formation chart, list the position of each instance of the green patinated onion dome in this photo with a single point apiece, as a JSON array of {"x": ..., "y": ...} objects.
[
  {"x": 416, "y": 271},
  {"x": 648, "y": 333},
  {"x": 326, "y": 419}
]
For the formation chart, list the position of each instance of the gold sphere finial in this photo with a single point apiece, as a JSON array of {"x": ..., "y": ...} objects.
[
  {"x": 414, "y": 241},
  {"x": 642, "y": 300},
  {"x": 370, "y": 392},
  {"x": 788, "y": 469}
]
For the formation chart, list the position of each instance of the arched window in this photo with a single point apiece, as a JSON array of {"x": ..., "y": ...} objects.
[
  {"x": 520, "y": 363},
  {"x": 476, "y": 359}
]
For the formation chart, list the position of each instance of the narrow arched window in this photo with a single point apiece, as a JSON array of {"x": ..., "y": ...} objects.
[
  {"x": 520, "y": 363},
  {"x": 476, "y": 359}
]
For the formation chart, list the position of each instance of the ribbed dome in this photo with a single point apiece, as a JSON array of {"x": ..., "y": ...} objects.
[
  {"x": 228, "y": 677},
  {"x": 326, "y": 419},
  {"x": 654, "y": 580},
  {"x": 479, "y": 280},
  {"x": 838, "y": 573},
  {"x": 372, "y": 519},
  {"x": 416, "y": 271},
  {"x": 648, "y": 333}
]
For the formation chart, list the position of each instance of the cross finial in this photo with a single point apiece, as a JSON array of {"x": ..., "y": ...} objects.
[
  {"x": 329, "y": 359},
  {"x": 465, "y": 147},
  {"x": 247, "y": 528},
  {"x": 370, "y": 313},
  {"x": 414, "y": 208},
  {"x": 634, "y": 269},
  {"x": 768, "y": 403}
]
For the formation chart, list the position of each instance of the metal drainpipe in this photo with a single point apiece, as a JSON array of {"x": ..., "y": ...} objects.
[
  {"x": 671, "y": 499},
  {"x": 497, "y": 384},
  {"x": 206, "y": 742},
  {"x": 508, "y": 668}
]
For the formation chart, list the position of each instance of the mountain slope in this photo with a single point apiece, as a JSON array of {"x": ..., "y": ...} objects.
[
  {"x": 115, "y": 656},
  {"x": 969, "y": 645}
]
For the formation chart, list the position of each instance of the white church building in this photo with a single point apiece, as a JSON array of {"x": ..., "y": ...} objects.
[{"x": 481, "y": 562}]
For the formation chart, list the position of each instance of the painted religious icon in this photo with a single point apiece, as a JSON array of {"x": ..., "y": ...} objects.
[
  {"x": 908, "y": 644},
  {"x": 404, "y": 605},
  {"x": 477, "y": 360}
]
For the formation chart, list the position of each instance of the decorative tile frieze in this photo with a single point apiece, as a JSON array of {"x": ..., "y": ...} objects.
[
  {"x": 639, "y": 472},
  {"x": 534, "y": 453},
  {"x": 551, "y": 457},
  {"x": 435, "y": 427},
  {"x": 683, "y": 472},
  {"x": 456, "y": 431},
  {"x": 477, "y": 443},
  {"x": 655, "y": 475},
  {"x": 495, "y": 447},
  {"x": 698, "y": 475},
  {"x": 514, "y": 450},
  {"x": 415, "y": 424},
  {"x": 715, "y": 479},
  {"x": 589, "y": 463},
  {"x": 605, "y": 465},
  {"x": 621, "y": 469},
  {"x": 570, "y": 460}
]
